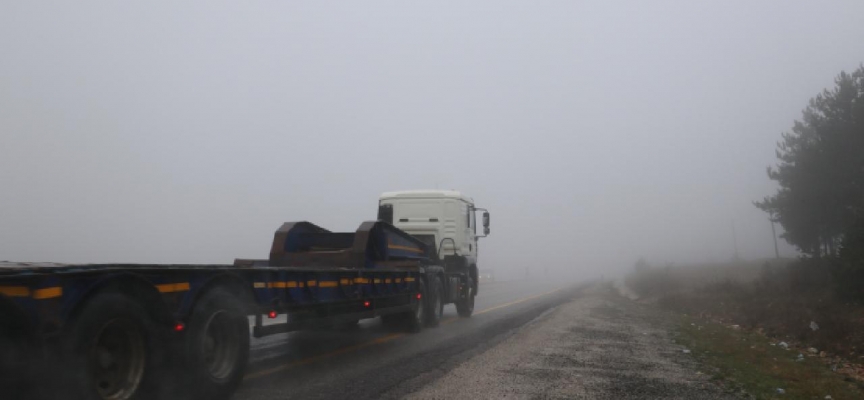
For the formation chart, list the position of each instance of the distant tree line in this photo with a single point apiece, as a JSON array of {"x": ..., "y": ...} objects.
[{"x": 821, "y": 171}]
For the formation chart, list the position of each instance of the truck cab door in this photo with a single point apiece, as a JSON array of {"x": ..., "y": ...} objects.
[{"x": 471, "y": 234}]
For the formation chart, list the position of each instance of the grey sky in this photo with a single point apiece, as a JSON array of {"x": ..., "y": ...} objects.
[{"x": 594, "y": 132}]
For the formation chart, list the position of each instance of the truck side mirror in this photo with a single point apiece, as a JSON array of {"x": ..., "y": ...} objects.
[{"x": 486, "y": 222}]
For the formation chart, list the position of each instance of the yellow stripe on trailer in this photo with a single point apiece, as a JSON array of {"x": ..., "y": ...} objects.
[
  {"x": 47, "y": 293},
  {"x": 361, "y": 280},
  {"x": 181, "y": 287},
  {"x": 344, "y": 281},
  {"x": 15, "y": 291},
  {"x": 291, "y": 284},
  {"x": 398, "y": 280},
  {"x": 409, "y": 279},
  {"x": 38, "y": 294},
  {"x": 388, "y": 280},
  {"x": 312, "y": 283},
  {"x": 328, "y": 284},
  {"x": 405, "y": 248},
  {"x": 377, "y": 280},
  {"x": 278, "y": 285}
]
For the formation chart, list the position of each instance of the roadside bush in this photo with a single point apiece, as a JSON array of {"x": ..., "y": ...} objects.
[
  {"x": 650, "y": 282},
  {"x": 728, "y": 286},
  {"x": 780, "y": 299},
  {"x": 849, "y": 268},
  {"x": 810, "y": 275}
]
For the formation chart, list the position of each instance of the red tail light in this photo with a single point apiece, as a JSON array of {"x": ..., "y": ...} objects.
[
  {"x": 367, "y": 303},
  {"x": 419, "y": 296},
  {"x": 179, "y": 327},
  {"x": 272, "y": 314}
]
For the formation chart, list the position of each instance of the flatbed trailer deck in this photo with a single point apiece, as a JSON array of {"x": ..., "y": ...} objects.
[{"x": 125, "y": 330}]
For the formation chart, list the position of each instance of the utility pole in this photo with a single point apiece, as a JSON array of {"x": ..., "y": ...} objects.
[
  {"x": 735, "y": 241},
  {"x": 774, "y": 235}
]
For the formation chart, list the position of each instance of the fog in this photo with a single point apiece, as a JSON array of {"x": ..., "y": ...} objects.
[{"x": 595, "y": 133}]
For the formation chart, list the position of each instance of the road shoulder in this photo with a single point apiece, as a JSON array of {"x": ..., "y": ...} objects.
[{"x": 597, "y": 346}]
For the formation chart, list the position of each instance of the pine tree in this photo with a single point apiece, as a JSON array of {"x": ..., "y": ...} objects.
[{"x": 821, "y": 169}]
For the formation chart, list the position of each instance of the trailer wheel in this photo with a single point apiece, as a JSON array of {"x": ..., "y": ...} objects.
[
  {"x": 347, "y": 325},
  {"x": 465, "y": 306},
  {"x": 111, "y": 350},
  {"x": 217, "y": 346},
  {"x": 16, "y": 360},
  {"x": 435, "y": 303},
  {"x": 391, "y": 321}
]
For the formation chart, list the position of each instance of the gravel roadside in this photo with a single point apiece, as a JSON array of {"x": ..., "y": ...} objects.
[{"x": 598, "y": 346}]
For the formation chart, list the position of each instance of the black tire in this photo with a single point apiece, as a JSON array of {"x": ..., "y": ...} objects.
[
  {"x": 415, "y": 319},
  {"x": 112, "y": 351},
  {"x": 465, "y": 305},
  {"x": 435, "y": 303},
  {"x": 347, "y": 326},
  {"x": 391, "y": 321},
  {"x": 16, "y": 359},
  {"x": 217, "y": 346}
]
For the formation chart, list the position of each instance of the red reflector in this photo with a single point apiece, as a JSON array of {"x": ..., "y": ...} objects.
[
  {"x": 179, "y": 327},
  {"x": 366, "y": 304},
  {"x": 272, "y": 314},
  {"x": 419, "y": 296}
]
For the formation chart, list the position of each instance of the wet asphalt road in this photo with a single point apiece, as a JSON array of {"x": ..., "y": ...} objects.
[{"x": 371, "y": 362}]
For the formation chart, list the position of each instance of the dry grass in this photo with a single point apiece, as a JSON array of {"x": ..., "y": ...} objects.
[
  {"x": 661, "y": 281},
  {"x": 775, "y": 301},
  {"x": 745, "y": 360}
]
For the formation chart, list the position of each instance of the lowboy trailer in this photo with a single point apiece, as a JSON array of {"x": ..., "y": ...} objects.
[{"x": 138, "y": 331}]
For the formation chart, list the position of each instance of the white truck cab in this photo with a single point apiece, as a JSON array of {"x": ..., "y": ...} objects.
[{"x": 444, "y": 219}]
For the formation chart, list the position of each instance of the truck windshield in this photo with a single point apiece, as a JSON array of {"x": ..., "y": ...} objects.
[{"x": 417, "y": 211}]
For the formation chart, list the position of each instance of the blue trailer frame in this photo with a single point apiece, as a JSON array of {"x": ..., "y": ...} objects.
[
  {"x": 49, "y": 294},
  {"x": 317, "y": 277}
]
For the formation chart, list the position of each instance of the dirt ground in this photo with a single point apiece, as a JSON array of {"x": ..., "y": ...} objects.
[{"x": 597, "y": 346}]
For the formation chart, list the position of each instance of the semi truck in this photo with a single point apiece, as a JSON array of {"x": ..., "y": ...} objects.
[{"x": 153, "y": 331}]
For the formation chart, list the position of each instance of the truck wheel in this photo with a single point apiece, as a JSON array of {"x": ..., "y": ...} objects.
[
  {"x": 435, "y": 303},
  {"x": 415, "y": 319},
  {"x": 465, "y": 306},
  {"x": 217, "y": 346},
  {"x": 111, "y": 350}
]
